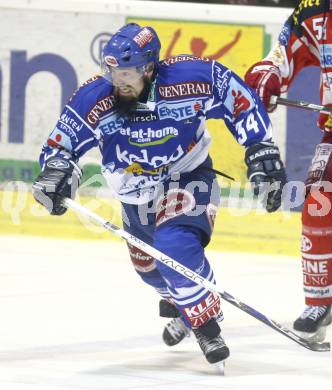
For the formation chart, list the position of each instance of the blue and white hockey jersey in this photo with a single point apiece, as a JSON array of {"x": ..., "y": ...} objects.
[{"x": 167, "y": 133}]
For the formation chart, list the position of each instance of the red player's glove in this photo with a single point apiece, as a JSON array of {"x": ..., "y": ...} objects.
[
  {"x": 325, "y": 121},
  {"x": 265, "y": 79}
]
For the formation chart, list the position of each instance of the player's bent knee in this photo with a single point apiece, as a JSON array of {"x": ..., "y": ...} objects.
[{"x": 181, "y": 243}]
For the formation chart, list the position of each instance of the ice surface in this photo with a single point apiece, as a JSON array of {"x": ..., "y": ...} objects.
[{"x": 74, "y": 315}]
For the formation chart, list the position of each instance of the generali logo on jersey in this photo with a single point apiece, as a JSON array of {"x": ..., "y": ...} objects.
[
  {"x": 103, "y": 106},
  {"x": 184, "y": 89}
]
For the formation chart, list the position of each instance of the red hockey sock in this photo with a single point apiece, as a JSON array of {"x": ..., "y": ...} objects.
[{"x": 317, "y": 248}]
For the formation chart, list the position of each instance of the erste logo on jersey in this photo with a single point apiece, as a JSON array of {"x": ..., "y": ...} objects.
[
  {"x": 185, "y": 89},
  {"x": 111, "y": 124},
  {"x": 179, "y": 110}
]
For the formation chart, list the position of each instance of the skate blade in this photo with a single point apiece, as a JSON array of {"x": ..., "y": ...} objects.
[
  {"x": 317, "y": 337},
  {"x": 220, "y": 367}
]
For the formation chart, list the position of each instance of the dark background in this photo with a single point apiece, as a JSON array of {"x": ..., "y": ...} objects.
[{"x": 266, "y": 3}]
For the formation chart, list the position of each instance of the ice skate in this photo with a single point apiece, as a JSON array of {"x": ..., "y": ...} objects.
[
  {"x": 211, "y": 343},
  {"x": 175, "y": 330},
  {"x": 313, "y": 321}
]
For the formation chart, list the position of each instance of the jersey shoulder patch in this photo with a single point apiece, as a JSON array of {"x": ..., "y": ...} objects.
[
  {"x": 93, "y": 100},
  {"x": 91, "y": 87}
]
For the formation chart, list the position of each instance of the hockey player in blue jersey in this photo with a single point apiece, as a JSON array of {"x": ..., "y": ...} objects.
[{"x": 148, "y": 119}]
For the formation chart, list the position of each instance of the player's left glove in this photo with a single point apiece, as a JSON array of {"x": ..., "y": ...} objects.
[
  {"x": 264, "y": 77},
  {"x": 266, "y": 173},
  {"x": 58, "y": 180}
]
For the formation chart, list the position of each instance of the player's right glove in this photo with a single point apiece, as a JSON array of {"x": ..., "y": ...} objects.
[
  {"x": 58, "y": 180},
  {"x": 266, "y": 173},
  {"x": 265, "y": 79}
]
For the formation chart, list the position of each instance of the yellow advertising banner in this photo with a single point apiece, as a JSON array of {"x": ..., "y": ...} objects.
[{"x": 235, "y": 46}]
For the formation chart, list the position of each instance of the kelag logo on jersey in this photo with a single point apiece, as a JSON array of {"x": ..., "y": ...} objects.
[
  {"x": 326, "y": 55},
  {"x": 179, "y": 111},
  {"x": 144, "y": 157}
]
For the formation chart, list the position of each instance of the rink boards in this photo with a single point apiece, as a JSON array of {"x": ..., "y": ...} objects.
[{"x": 236, "y": 229}]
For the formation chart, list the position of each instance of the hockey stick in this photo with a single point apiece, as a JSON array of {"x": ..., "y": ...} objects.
[
  {"x": 300, "y": 104},
  {"x": 186, "y": 272}
]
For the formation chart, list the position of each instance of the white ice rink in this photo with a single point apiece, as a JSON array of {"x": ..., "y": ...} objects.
[{"x": 74, "y": 315}]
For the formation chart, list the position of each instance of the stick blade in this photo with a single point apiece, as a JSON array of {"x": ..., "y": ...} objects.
[{"x": 318, "y": 347}]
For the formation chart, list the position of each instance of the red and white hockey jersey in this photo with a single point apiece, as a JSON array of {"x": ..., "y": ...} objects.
[{"x": 306, "y": 40}]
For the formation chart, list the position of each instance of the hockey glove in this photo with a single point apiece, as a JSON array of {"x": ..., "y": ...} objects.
[
  {"x": 266, "y": 173},
  {"x": 265, "y": 79},
  {"x": 58, "y": 180}
]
